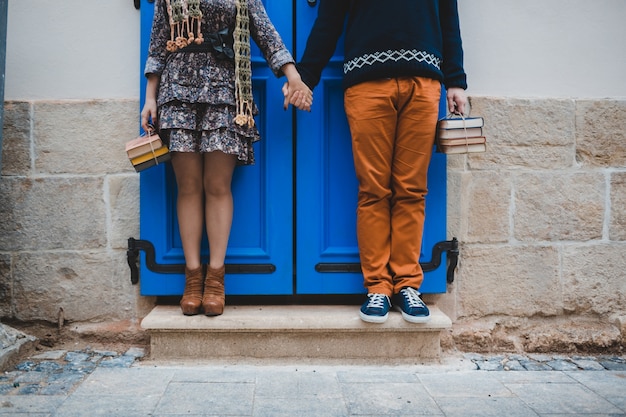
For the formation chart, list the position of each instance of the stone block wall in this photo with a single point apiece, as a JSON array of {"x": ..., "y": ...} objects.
[
  {"x": 541, "y": 217},
  {"x": 69, "y": 200}
]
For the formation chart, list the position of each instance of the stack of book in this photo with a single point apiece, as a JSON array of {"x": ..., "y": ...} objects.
[
  {"x": 146, "y": 151},
  {"x": 461, "y": 135}
]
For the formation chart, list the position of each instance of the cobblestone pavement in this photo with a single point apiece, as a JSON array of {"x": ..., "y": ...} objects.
[
  {"x": 93, "y": 382},
  {"x": 57, "y": 372},
  {"x": 540, "y": 362}
]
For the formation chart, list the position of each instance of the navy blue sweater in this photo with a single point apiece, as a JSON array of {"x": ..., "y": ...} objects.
[{"x": 387, "y": 39}]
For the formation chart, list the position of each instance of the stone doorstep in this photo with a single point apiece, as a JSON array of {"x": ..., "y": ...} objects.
[{"x": 302, "y": 332}]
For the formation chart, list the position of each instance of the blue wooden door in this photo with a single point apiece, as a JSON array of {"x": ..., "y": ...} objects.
[
  {"x": 294, "y": 222},
  {"x": 326, "y": 190},
  {"x": 261, "y": 244}
]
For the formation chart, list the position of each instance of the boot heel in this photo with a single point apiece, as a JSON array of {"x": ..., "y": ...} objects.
[{"x": 213, "y": 298}]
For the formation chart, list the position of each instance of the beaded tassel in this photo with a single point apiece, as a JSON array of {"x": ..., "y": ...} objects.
[{"x": 185, "y": 23}]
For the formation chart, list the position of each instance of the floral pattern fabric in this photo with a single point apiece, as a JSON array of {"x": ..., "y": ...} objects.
[{"x": 196, "y": 97}]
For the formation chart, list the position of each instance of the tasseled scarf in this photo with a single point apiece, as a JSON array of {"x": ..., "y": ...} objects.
[{"x": 185, "y": 29}]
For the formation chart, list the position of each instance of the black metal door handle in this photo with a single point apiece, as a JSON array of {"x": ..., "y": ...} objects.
[{"x": 312, "y": 3}]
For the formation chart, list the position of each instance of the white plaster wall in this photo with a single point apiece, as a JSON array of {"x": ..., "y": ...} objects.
[
  {"x": 531, "y": 48},
  {"x": 545, "y": 48},
  {"x": 72, "y": 49}
]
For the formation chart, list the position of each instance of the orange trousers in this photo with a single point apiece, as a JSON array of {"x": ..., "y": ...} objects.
[{"x": 392, "y": 123}]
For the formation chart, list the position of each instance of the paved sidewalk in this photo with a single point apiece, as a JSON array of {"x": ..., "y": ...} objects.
[{"x": 96, "y": 383}]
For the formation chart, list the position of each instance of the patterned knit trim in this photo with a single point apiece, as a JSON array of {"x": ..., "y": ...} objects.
[{"x": 395, "y": 56}]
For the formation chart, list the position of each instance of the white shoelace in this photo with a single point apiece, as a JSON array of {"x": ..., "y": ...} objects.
[
  {"x": 376, "y": 300},
  {"x": 413, "y": 297}
]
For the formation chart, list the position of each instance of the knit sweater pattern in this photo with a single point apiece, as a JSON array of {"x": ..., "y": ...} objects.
[{"x": 387, "y": 39}]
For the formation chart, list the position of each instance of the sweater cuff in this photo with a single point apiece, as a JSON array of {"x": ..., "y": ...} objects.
[{"x": 279, "y": 59}]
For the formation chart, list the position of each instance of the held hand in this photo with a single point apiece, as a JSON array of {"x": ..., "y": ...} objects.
[
  {"x": 298, "y": 94},
  {"x": 457, "y": 100},
  {"x": 149, "y": 114}
]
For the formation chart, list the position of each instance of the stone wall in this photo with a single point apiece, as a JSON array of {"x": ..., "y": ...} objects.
[
  {"x": 541, "y": 218},
  {"x": 68, "y": 203}
]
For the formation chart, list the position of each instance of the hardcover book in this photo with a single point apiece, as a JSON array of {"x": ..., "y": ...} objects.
[
  {"x": 458, "y": 149},
  {"x": 471, "y": 132},
  {"x": 152, "y": 162},
  {"x": 457, "y": 135},
  {"x": 145, "y": 148},
  {"x": 462, "y": 141},
  {"x": 460, "y": 123},
  {"x": 163, "y": 150},
  {"x": 143, "y": 144}
]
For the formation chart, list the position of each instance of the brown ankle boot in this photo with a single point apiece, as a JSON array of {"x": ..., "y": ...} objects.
[
  {"x": 213, "y": 298},
  {"x": 192, "y": 297}
]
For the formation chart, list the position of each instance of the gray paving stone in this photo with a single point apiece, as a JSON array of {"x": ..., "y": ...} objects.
[
  {"x": 562, "y": 399},
  {"x": 301, "y": 407},
  {"x": 531, "y": 365},
  {"x": 462, "y": 384},
  {"x": 215, "y": 374},
  {"x": 490, "y": 365},
  {"x": 613, "y": 365},
  {"x": 609, "y": 385},
  {"x": 108, "y": 406},
  {"x": 208, "y": 398},
  {"x": 588, "y": 364},
  {"x": 373, "y": 374},
  {"x": 29, "y": 405},
  {"x": 562, "y": 365},
  {"x": 103, "y": 383},
  {"x": 484, "y": 407},
  {"x": 141, "y": 381},
  {"x": 533, "y": 377},
  {"x": 513, "y": 365},
  {"x": 388, "y": 399}
]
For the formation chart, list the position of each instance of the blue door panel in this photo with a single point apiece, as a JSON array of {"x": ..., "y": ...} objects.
[
  {"x": 262, "y": 231},
  {"x": 326, "y": 188}
]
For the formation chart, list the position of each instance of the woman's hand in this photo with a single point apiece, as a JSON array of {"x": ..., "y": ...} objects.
[
  {"x": 149, "y": 111},
  {"x": 149, "y": 114},
  {"x": 295, "y": 91}
]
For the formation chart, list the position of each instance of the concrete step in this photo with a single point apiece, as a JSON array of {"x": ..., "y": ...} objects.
[{"x": 300, "y": 332}]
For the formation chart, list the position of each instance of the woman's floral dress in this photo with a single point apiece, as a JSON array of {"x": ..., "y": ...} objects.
[{"x": 196, "y": 97}]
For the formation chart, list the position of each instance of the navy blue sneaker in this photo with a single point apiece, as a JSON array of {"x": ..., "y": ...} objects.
[
  {"x": 375, "y": 309},
  {"x": 413, "y": 308}
]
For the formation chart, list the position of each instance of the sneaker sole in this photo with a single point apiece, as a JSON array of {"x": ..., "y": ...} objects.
[
  {"x": 373, "y": 319},
  {"x": 415, "y": 319}
]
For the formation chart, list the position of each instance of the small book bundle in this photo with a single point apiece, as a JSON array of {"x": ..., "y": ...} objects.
[
  {"x": 458, "y": 134},
  {"x": 146, "y": 151}
]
